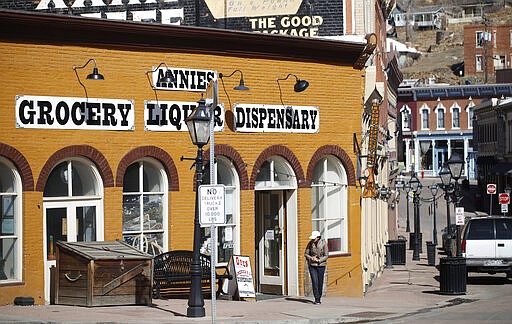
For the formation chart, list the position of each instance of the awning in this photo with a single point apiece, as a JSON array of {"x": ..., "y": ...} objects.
[{"x": 501, "y": 169}]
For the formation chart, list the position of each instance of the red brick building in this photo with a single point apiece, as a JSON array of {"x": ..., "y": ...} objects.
[{"x": 486, "y": 50}]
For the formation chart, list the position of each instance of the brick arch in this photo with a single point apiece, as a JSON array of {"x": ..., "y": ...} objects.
[
  {"x": 284, "y": 152},
  {"x": 149, "y": 151},
  {"x": 86, "y": 151},
  {"x": 21, "y": 163},
  {"x": 337, "y": 152},
  {"x": 240, "y": 166}
]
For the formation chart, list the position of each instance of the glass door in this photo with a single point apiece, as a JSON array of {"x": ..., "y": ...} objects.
[
  {"x": 271, "y": 231},
  {"x": 68, "y": 222}
]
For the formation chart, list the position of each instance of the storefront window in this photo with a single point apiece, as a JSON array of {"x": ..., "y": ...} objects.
[
  {"x": 329, "y": 203},
  {"x": 10, "y": 223},
  {"x": 227, "y": 234},
  {"x": 144, "y": 207},
  {"x": 275, "y": 173}
]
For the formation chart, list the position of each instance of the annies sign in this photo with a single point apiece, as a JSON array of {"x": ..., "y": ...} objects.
[
  {"x": 276, "y": 118},
  {"x": 184, "y": 79},
  {"x": 74, "y": 113}
]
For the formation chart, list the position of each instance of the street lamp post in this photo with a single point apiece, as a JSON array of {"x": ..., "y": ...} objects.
[
  {"x": 198, "y": 124},
  {"x": 456, "y": 165},
  {"x": 445, "y": 177},
  {"x": 407, "y": 188},
  {"x": 433, "y": 190},
  {"x": 416, "y": 186},
  {"x": 452, "y": 269}
]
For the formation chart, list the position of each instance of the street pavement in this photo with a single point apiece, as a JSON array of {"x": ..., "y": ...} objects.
[{"x": 401, "y": 292}]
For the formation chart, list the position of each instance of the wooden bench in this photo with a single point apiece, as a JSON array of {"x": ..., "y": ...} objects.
[{"x": 172, "y": 279}]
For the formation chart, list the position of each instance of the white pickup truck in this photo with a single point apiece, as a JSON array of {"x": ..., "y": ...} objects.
[{"x": 487, "y": 245}]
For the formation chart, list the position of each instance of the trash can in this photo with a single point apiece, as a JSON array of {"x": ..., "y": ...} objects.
[
  {"x": 412, "y": 235},
  {"x": 397, "y": 251},
  {"x": 452, "y": 275},
  {"x": 431, "y": 253}
]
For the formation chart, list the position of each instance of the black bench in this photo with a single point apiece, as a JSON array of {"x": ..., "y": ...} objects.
[{"x": 171, "y": 274}]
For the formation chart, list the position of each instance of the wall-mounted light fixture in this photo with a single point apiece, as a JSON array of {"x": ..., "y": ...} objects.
[
  {"x": 166, "y": 78},
  {"x": 300, "y": 85},
  {"x": 95, "y": 75},
  {"x": 240, "y": 87}
]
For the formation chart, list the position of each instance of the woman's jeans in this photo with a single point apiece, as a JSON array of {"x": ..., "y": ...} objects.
[{"x": 317, "y": 281}]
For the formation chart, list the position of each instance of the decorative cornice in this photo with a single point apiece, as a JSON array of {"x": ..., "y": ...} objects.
[{"x": 18, "y": 26}]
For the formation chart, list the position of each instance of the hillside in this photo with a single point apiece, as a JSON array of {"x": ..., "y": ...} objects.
[{"x": 436, "y": 59}]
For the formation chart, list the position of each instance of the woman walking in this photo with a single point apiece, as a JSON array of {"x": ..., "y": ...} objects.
[{"x": 316, "y": 255}]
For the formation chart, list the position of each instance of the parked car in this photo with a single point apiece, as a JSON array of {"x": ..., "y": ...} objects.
[
  {"x": 446, "y": 238},
  {"x": 487, "y": 245}
]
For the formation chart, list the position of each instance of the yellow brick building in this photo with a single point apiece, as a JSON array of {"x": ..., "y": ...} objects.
[{"x": 98, "y": 164}]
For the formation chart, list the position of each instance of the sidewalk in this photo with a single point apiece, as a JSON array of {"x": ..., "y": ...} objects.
[{"x": 401, "y": 291}]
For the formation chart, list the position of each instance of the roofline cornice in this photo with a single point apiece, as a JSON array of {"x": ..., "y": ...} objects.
[{"x": 18, "y": 26}]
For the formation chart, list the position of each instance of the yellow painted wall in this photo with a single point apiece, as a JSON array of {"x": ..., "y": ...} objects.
[{"x": 46, "y": 70}]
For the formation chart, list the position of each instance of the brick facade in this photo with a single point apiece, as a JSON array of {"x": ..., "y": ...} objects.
[
  {"x": 497, "y": 51},
  {"x": 49, "y": 46}
]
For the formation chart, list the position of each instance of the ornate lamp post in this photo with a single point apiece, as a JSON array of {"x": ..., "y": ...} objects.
[
  {"x": 433, "y": 190},
  {"x": 456, "y": 165},
  {"x": 407, "y": 188},
  {"x": 452, "y": 269},
  {"x": 416, "y": 186},
  {"x": 198, "y": 124},
  {"x": 445, "y": 177}
]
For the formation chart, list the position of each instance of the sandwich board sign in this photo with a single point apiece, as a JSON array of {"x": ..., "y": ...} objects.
[{"x": 242, "y": 284}]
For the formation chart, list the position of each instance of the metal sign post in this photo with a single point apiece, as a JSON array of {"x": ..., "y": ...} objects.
[
  {"x": 211, "y": 101},
  {"x": 212, "y": 211}
]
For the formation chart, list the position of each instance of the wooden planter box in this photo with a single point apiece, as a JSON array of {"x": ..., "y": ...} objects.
[{"x": 101, "y": 274}]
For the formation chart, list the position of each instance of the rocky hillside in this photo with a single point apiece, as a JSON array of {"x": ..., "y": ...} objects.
[{"x": 436, "y": 59}]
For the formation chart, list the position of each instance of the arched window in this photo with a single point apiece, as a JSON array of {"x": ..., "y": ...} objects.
[
  {"x": 227, "y": 236},
  {"x": 275, "y": 173},
  {"x": 145, "y": 190},
  {"x": 440, "y": 112},
  {"x": 10, "y": 223},
  {"x": 425, "y": 112},
  {"x": 406, "y": 118},
  {"x": 455, "y": 111},
  {"x": 329, "y": 203}
]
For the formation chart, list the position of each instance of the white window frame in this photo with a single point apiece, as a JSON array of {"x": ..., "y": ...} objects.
[
  {"x": 18, "y": 223},
  {"x": 479, "y": 62},
  {"x": 234, "y": 203},
  {"x": 425, "y": 109},
  {"x": 453, "y": 109},
  {"x": 438, "y": 110},
  {"x": 141, "y": 193},
  {"x": 406, "y": 118},
  {"x": 323, "y": 184},
  {"x": 469, "y": 111},
  {"x": 479, "y": 39}
]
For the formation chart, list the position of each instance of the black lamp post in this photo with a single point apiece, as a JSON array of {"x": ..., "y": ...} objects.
[
  {"x": 456, "y": 165},
  {"x": 445, "y": 177},
  {"x": 452, "y": 269},
  {"x": 433, "y": 190},
  {"x": 198, "y": 124},
  {"x": 416, "y": 186},
  {"x": 407, "y": 188}
]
